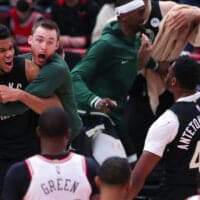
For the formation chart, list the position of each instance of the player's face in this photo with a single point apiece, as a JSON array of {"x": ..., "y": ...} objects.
[
  {"x": 44, "y": 43},
  {"x": 170, "y": 78},
  {"x": 147, "y": 8},
  {"x": 6, "y": 55},
  {"x": 135, "y": 19}
]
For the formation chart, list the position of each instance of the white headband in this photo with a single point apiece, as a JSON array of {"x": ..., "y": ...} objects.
[{"x": 133, "y": 5}]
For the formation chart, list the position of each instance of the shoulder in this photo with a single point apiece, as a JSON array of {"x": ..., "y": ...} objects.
[
  {"x": 165, "y": 6},
  {"x": 168, "y": 118},
  {"x": 17, "y": 167},
  {"x": 102, "y": 48},
  {"x": 16, "y": 182},
  {"x": 56, "y": 66},
  {"x": 92, "y": 166},
  {"x": 19, "y": 61},
  {"x": 57, "y": 63}
]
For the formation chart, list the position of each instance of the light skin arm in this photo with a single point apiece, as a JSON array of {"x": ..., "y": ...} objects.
[
  {"x": 142, "y": 169},
  {"x": 165, "y": 6},
  {"x": 144, "y": 52},
  {"x": 37, "y": 104},
  {"x": 183, "y": 17}
]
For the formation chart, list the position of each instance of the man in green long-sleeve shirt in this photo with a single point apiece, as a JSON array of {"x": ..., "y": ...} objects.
[
  {"x": 53, "y": 77},
  {"x": 105, "y": 75}
]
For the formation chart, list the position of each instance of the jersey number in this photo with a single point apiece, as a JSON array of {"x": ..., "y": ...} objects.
[{"x": 195, "y": 161}]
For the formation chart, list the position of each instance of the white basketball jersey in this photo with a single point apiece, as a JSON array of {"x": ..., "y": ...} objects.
[{"x": 53, "y": 179}]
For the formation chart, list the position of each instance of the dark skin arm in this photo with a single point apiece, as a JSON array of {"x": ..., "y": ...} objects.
[{"x": 142, "y": 169}]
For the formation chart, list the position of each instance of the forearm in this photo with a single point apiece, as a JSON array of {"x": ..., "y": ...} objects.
[
  {"x": 135, "y": 189},
  {"x": 38, "y": 104},
  {"x": 84, "y": 96},
  {"x": 95, "y": 197}
]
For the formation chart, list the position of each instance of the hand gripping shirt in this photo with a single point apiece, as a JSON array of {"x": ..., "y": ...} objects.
[{"x": 53, "y": 78}]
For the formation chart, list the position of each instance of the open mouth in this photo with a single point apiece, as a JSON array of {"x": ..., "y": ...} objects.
[
  {"x": 8, "y": 66},
  {"x": 41, "y": 58},
  {"x": 8, "y": 63}
]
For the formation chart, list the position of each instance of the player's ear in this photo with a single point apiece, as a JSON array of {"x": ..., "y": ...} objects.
[
  {"x": 67, "y": 136},
  {"x": 38, "y": 131},
  {"x": 58, "y": 44},
  {"x": 129, "y": 184},
  {"x": 30, "y": 38},
  {"x": 173, "y": 82},
  {"x": 97, "y": 181}
]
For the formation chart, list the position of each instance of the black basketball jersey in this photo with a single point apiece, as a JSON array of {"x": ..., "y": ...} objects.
[
  {"x": 16, "y": 78},
  {"x": 16, "y": 132},
  {"x": 181, "y": 157},
  {"x": 152, "y": 25}
]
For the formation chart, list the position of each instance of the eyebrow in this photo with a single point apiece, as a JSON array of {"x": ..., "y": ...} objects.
[{"x": 41, "y": 36}]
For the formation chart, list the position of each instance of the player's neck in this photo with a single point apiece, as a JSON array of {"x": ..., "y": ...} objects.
[
  {"x": 128, "y": 32},
  {"x": 52, "y": 147},
  {"x": 184, "y": 93},
  {"x": 112, "y": 194}
]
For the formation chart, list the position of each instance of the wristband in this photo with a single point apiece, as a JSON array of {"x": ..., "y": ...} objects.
[{"x": 152, "y": 64}]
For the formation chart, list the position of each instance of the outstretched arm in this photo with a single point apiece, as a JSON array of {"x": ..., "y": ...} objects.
[{"x": 184, "y": 17}]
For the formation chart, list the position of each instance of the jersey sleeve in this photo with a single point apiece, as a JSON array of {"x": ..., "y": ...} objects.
[
  {"x": 92, "y": 171},
  {"x": 16, "y": 182},
  {"x": 88, "y": 70},
  {"x": 161, "y": 133},
  {"x": 49, "y": 79}
]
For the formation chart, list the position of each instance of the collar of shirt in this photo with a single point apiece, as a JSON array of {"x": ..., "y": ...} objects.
[{"x": 190, "y": 98}]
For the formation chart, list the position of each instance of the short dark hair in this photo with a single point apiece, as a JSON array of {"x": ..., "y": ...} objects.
[
  {"x": 4, "y": 32},
  {"x": 115, "y": 171},
  {"x": 121, "y": 2},
  {"x": 47, "y": 24},
  {"x": 186, "y": 71},
  {"x": 108, "y": 1},
  {"x": 22, "y": 5},
  {"x": 54, "y": 122}
]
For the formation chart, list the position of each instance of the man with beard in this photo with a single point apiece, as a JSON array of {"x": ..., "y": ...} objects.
[{"x": 106, "y": 73}]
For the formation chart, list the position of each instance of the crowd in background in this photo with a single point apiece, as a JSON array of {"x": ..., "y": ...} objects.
[{"x": 103, "y": 76}]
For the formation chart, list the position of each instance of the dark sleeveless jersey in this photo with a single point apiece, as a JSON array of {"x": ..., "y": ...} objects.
[
  {"x": 138, "y": 113},
  {"x": 152, "y": 25},
  {"x": 182, "y": 155},
  {"x": 17, "y": 132}
]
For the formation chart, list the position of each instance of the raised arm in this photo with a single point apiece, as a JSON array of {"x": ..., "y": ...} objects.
[{"x": 185, "y": 16}]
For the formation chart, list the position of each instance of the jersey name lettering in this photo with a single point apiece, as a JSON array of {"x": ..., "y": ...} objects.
[
  {"x": 15, "y": 85},
  {"x": 188, "y": 133},
  {"x": 58, "y": 185}
]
